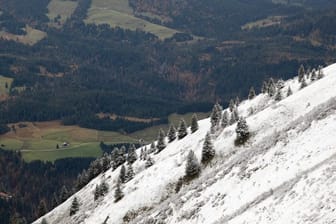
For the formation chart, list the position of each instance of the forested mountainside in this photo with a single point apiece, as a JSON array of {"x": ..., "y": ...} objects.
[
  {"x": 71, "y": 68},
  {"x": 28, "y": 190},
  {"x": 268, "y": 159}
]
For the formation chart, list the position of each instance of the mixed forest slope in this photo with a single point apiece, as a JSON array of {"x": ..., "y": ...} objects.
[{"x": 283, "y": 173}]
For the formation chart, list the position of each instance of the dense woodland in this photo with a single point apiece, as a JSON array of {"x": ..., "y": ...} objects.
[{"x": 30, "y": 183}]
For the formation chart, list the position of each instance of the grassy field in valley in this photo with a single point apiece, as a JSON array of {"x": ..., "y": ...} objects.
[
  {"x": 117, "y": 13},
  {"x": 60, "y": 10},
  {"x": 32, "y": 36},
  {"x": 39, "y": 140}
]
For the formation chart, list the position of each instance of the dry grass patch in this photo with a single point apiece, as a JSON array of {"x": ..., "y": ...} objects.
[{"x": 32, "y": 36}]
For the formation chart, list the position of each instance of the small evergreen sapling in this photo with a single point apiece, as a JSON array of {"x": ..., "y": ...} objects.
[
  {"x": 193, "y": 167},
  {"x": 194, "y": 123},
  {"x": 242, "y": 131},
  {"x": 208, "y": 151},
  {"x": 118, "y": 194},
  {"x": 171, "y": 133},
  {"x": 271, "y": 87},
  {"x": 301, "y": 73},
  {"x": 42, "y": 208},
  {"x": 313, "y": 76},
  {"x": 103, "y": 188},
  {"x": 225, "y": 119},
  {"x": 231, "y": 105},
  {"x": 303, "y": 83},
  {"x": 289, "y": 91},
  {"x": 122, "y": 174},
  {"x": 264, "y": 87},
  {"x": 130, "y": 173},
  {"x": 278, "y": 95},
  {"x": 251, "y": 94},
  {"x": 152, "y": 148},
  {"x": 320, "y": 73},
  {"x": 161, "y": 141},
  {"x": 44, "y": 221},
  {"x": 74, "y": 206},
  {"x": 149, "y": 162},
  {"x": 132, "y": 155},
  {"x": 182, "y": 129},
  {"x": 96, "y": 193}
]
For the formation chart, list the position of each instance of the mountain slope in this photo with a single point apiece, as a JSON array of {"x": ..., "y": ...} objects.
[{"x": 285, "y": 173}]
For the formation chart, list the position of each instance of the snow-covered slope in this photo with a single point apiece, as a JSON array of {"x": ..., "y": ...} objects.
[{"x": 285, "y": 173}]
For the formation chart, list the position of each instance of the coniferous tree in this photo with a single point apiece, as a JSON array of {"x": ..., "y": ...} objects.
[
  {"x": 235, "y": 113},
  {"x": 278, "y": 95},
  {"x": 194, "y": 123},
  {"x": 193, "y": 167},
  {"x": 301, "y": 73},
  {"x": 103, "y": 188},
  {"x": 303, "y": 83},
  {"x": 225, "y": 119},
  {"x": 208, "y": 151},
  {"x": 64, "y": 194},
  {"x": 42, "y": 208},
  {"x": 271, "y": 87},
  {"x": 308, "y": 72},
  {"x": 161, "y": 141},
  {"x": 242, "y": 131},
  {"x": 182, "y": 129},
  {"x": 96, "y": 192},
  {"x": 54, "y": 201},
  {"x": 264, "y": 87},
  {"x": 313, "y": 76},
  {"x": 237, "y": 101},
  {"x": 130, "y": 173},
  {"x": 320, "y": 73},
  {"x": 171, "y": 133},
  {"x": 44, "y": 221},
  {"x": 289, "y": 91},
  {"x": 251, "y": 94},
  {"x": 74, "y": 206},
  {"x": 122, "y": 174},
  {"x": 132, "y": 155},
  {"x": 149, "y": 162},
  {"x": 232, "y": 119},
  {"x": 105, "y": 162},
  {"x": 215, "y": 117},
  {"x": 118, "y": 194},
  {"x": 231, "y": 105},
  {"x": 152, "y": 148}
]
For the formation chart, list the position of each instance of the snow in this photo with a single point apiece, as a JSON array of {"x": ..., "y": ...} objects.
[{"x": 285, "y": 173}]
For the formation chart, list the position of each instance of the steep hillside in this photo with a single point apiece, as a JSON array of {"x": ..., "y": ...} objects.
[{"x": 284, "y": 173}]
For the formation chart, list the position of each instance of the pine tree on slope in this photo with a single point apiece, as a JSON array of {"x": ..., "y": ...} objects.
[
  {"x": 225, "y": 119},
  {"x": 193, "y": 167},
  {"x": 278, "y": 95},
  {"x": 208, "y": 151},
  {"x": 118, "y": 194},
  {"x": 149, "y": 162},
  {"x": 132, "y": 155},
  {"x": 289, "y": 91},
  {"x": 194, "y": 123},
  {"x": 130, "y": 173},
  {"x": 182, "y": 129},
  {"x": 242, "y": 131},
  {"x": 251, "y": 94},
  {"x": 74, "y": 206},
  {"x": 96, "y": 193},
  {"x": 303, "y": 83},
  {"x": 161, "y": 141},
  {"x": 171, "y": 133},
  {"x": 42, "y": 208},
  {"x": 301, "y": 73},
  {"x": 122, "y": 174}
]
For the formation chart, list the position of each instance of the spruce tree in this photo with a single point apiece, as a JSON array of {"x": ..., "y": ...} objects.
[
  {"x": 182, "y": 129},
  {"x": 320, "y": 73},
  {"x": 251, "y": 94},
  {"x": 225, "y": 119},
  {"x": 64, "y": 194},
  {"x": 161, "y": 141},
  {"x": 130, "y": 173},
  {"x": 237, "y": 101},
  {"x": 235, "y": 113},
  {"x": 232, "y": 119},
  {"x": 74, "y": 206},
  {"x": 171, "y": 133},
  {"x": 313, "y": 76},
  {"x": 303, "y": 83},
  {"x": 289, "y": 91},
  {"x": 264, "y": 87},
  {"x": 271, "y": 88},
  {"x": 194, "y": 123},
  {"x": 132, "y": 155},
  {"x": 242, "y": 131},
  {"x": 278, "y": 95},
  {"x": 44, "y": 221},
  {"x": 193, "y": 167},
  {"x": 215, "y": 117},
  {"x": 96, "y": 192},
  {"x": 208, "y": 151},
  {"x": 301, "y": 73},
  {"x": 54, "y": 201},
  {"x": 231, "y": 105},
  {"x": 152, "y": 148},
  {"x": 149, "y": 162},
  {"x": 103, "y": 188},
  {"x": 122, "y": 174},
  {"x": 105, "y": 162},
  {"x": 42, "y": 208},
  {"x": 118, "y": 194}
]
